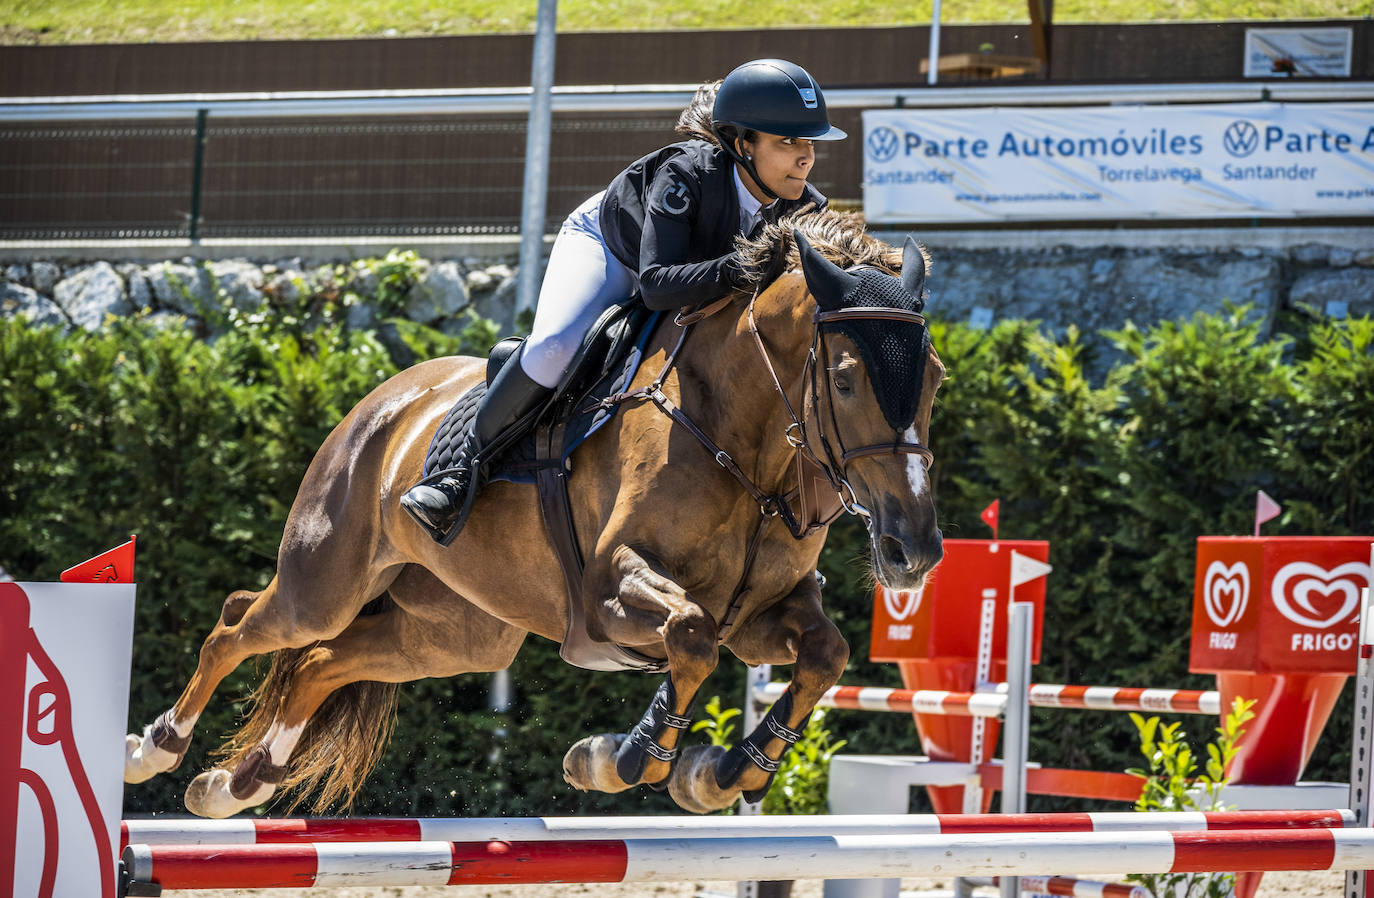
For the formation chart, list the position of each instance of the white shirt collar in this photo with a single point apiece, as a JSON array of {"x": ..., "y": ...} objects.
[{"x": 749, "y": 206}]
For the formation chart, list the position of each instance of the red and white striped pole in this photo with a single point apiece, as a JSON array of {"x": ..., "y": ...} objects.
[
  {"x": 993, "y": 704},
  {"x": 266, "y": 831},
  {"x": 1080, "y": 888},
  {"x": 802, "y": 857},
  {"x": 1359, "y": 883}
]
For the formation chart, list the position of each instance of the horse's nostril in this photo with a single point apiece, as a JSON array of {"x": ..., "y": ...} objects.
[{"x": 894, "y": 553}]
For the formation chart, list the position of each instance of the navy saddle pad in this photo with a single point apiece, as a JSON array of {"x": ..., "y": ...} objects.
[{"x": 591, "y": 379}]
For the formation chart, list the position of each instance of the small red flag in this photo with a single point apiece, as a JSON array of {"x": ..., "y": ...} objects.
[
  {"x": 1265, "y": 509},
  {"x": 989, "y": 516},
  {"x": 114, "y": 566}
]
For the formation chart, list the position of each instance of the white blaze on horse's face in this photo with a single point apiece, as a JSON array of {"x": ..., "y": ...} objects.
[{"x": 915, "y": 465}]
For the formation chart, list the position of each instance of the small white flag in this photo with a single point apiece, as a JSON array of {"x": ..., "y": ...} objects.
[
  {"x": 1025, "y": 569},
  {"x": 1265, "y": 509}
]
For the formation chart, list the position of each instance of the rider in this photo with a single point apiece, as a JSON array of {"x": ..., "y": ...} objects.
[{"x": 664, "y": 230}]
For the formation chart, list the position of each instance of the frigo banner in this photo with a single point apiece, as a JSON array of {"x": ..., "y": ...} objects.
[{"x": 1119, "y": 162}]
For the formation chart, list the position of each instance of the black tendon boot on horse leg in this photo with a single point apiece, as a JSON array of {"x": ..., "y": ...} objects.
[
  {"x": 442, "y": 507},
  {"x": 642, "y": 743},
  {"x": 750, "y": 749}
]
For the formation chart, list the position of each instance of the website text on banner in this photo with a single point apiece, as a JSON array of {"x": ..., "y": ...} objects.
[{"x": 1232, "y": 160}]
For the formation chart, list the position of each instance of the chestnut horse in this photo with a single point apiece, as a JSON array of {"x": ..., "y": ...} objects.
[{"x": 686, "y": 548}]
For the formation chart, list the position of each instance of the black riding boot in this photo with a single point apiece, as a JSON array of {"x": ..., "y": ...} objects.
[{"x": 442, "y": 507}]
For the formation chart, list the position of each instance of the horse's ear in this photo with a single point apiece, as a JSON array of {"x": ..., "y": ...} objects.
[
  {"x": 913, "y": 270},
  {"x": 827, "y": 282}
]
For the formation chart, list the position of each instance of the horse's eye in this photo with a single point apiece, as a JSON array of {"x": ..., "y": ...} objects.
[{"x": 844, "y": 383}]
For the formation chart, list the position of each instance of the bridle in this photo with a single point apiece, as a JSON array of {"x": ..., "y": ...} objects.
[
  {"x": 835, "y": 466},
  {"x": 837, "y": 458}
]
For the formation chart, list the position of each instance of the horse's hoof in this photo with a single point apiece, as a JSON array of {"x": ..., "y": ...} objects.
[
  {"x": 209, "y": 796},
  {"x": 590, "y": 764},
  {"x": 693, "y": 783},
  {"x": 143, "y": 760}
]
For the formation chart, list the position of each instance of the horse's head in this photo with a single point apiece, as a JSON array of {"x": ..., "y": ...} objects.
[{"x": 869, "y": 401}]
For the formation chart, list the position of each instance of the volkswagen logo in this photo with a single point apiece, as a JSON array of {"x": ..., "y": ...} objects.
[
  {"x": 1240, "y": 138},
  {"x": 882, "y": 144}
]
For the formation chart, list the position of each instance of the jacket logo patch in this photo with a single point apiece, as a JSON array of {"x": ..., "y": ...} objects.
[{"x": 675, "y": 198}]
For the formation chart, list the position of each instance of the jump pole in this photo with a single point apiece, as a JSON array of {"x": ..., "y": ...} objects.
[
  {"x": 993, "y": 704},
  {"x": 1070, "y": 887},
  {"x": 802, "y": 857},
  {"x": 1358, "y": 882},
  {"x": 265, "y": 831}
]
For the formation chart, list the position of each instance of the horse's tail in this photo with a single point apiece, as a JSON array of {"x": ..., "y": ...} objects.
[{"x": 341, "y": 744}]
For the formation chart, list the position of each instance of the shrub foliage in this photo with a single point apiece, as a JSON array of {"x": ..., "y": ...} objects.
[{"x": 198, "y": 446}]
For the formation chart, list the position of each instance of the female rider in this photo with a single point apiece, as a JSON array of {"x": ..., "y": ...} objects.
[{"x": 664, "y": 230}]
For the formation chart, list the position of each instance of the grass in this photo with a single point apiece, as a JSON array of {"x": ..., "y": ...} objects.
[{"x": 137, "y": 21}]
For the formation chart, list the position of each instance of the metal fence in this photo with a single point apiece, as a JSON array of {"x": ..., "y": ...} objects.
[{"x": 406, "y": 162}]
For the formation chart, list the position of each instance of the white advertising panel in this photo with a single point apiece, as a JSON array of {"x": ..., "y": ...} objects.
[
  {"x": 64, "y": 699},
  {"x": 1298, "y": 52},
  {"x": 1119, "y": 162}
]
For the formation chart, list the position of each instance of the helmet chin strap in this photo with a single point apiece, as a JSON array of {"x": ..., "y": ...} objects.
[{"x": 745, "y": 162}]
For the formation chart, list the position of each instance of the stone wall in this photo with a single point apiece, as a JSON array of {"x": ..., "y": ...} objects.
[
  {"x": 1101, "y": 280},
  {"x": 1104, "y": 287},
  {"x": 1093, "y": 279},
  {"x": 81, "y": 293}
]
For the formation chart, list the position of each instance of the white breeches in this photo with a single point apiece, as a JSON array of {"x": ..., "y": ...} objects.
[{"x": 582, "y": 280}]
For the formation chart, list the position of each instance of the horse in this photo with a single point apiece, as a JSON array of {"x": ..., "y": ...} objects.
[{"x": 363, "y": 600}]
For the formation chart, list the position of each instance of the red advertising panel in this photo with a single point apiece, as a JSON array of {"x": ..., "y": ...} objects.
[
  {"x": 944, "y": 619},
  {"x": 1286, "y": 604}
]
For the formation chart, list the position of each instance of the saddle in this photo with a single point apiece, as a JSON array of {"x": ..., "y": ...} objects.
[{"x": 604, "y": 365}]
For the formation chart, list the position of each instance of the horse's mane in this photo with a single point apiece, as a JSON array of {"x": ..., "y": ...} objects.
[{"x": 839, "y": 236}]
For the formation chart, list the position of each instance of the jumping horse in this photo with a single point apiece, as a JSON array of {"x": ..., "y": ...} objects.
[{"x": 686, "y": 501}]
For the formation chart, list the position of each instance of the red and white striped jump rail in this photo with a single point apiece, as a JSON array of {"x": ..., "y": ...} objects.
[
  {"x": 744, "y": 858},
  {"x": 993, "y": 704},
  {"x": 264, "y": 831},
  {"x": 1072, "y": 887}
]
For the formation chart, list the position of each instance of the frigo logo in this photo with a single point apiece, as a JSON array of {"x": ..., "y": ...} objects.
[
  {"x": 1225, "y": 592},
  {"x": 901, "y": 605},
  {"x": 1312, "y": 596}
]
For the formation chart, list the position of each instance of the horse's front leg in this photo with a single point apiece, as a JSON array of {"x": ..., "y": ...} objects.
[
  {"x": 793, "y": 630},
  {"x": 647, "y": 605}
]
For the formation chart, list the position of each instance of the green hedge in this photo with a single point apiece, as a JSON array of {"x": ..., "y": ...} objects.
[{"x": 198, "y": 445}]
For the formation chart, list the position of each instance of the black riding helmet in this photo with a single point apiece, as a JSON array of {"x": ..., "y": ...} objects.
[{"x": 772, "y": 96}]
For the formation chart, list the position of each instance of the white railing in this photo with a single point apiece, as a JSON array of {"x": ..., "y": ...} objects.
[{"x": 643, "y": 98}]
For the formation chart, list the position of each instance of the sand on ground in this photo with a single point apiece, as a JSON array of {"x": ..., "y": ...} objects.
[{"x": 1306, "y": 884}]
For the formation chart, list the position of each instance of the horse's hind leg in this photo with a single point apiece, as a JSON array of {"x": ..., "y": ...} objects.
[
  {"x": 163, "y": 743},
  {"x": 648, "y": 605},
  {"x": 346, "y": 737},
  {"x": 796, "y": 629},
  {"x": 250, "y": 624}
]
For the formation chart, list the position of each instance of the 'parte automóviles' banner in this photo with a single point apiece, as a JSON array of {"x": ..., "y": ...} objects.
[{"x": 1233, "y": 160}]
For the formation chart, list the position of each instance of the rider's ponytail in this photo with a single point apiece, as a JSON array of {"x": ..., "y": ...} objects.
[{"x": 695, "y": 120}]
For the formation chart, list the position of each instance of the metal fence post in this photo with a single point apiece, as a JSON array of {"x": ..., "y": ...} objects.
[
  {"x": 197, "y": 172},
  {"x": 537, "y": 142},
  {"x": 753, "y": 715},
  {"x": 1016, "y": 730}
]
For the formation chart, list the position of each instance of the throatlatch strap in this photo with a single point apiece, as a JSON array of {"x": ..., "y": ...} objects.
[{"x": 642, "y": 743}]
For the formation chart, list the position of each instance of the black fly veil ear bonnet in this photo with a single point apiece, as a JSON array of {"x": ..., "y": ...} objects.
[{"x": 894, "y": 350}]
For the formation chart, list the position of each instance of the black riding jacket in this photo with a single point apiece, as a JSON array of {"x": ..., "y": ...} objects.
[{"x": 673, "y": 216}]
